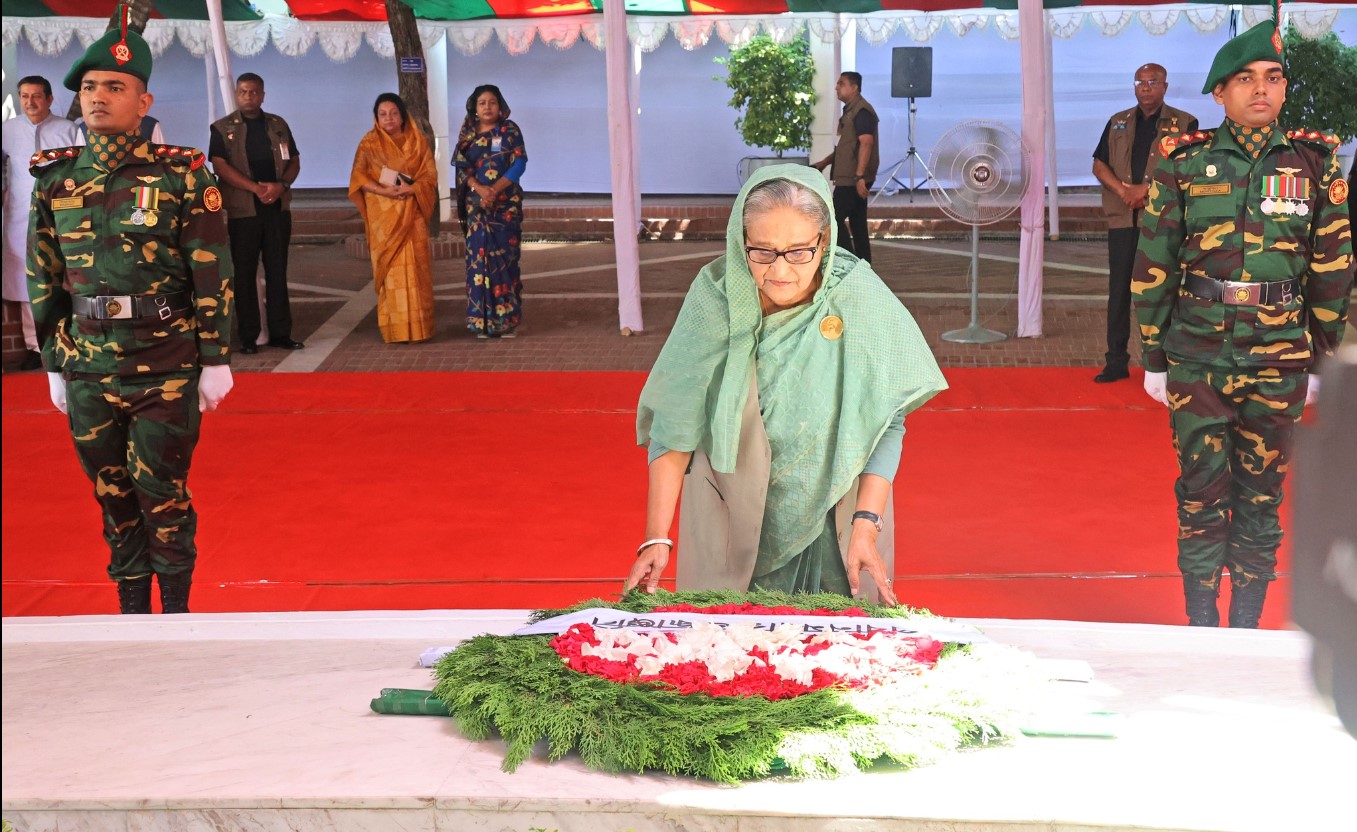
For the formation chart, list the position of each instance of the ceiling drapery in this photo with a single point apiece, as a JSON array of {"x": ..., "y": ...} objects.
[{"x": 341, "y": 27}]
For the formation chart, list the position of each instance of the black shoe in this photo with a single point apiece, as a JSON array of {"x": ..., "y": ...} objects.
[
  {"x": 1246, "y": 604},
  {"x": 174, "y": 591},
  {"x": 1202, "y": 610},
  {"x": 1111, "y": 374},
  {"x": 249, "y": 349},
  {"x": 32, "y": 361},
  {"x": 285, "y": 344},
  {"x": 134, "y": 596}
]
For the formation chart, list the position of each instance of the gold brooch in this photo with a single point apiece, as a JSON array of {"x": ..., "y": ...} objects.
[
  {"x": 831, "y": 326},
  {"x": 1241, "y": 295}
]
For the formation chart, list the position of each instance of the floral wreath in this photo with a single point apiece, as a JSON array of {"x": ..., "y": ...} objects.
[{"x": 698, "y": 706}]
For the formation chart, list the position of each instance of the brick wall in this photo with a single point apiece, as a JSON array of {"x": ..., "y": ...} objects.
[{"x": 13, "y": 334}]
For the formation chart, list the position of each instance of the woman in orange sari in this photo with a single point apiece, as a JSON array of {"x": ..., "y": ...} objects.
[{"x": 395, "y": 186}]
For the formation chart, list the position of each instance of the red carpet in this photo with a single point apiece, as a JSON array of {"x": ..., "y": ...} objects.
[{"x": 1026, "y": 493}]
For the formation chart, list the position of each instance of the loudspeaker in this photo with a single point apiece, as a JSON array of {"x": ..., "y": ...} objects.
[{"x": 912, "y": 72}]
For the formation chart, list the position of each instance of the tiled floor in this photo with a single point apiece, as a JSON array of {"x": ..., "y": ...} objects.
[{"x": 570, "y": 308}]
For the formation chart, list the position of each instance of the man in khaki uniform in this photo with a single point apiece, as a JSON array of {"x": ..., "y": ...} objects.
[
  {"x": 1127, "y": 152},
  {"x": 855, "y": 161}
]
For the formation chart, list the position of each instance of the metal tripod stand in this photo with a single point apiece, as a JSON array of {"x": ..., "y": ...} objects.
[{"x": 893, "y": 185}]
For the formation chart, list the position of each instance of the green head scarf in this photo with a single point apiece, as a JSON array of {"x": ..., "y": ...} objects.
[{"x": 825, "y": 401}]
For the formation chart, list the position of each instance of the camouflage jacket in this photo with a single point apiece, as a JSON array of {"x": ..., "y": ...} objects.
[
  {"x": 83, "y": 242},
  {"x": 1205, "y": 215}
]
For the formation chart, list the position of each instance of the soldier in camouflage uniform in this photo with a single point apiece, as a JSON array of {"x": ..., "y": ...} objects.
[
  {"x": 130, "y": 279},
  {"x": 1241, "y": 287}
]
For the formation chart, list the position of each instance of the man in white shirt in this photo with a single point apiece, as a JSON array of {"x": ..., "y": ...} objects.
[{"x": 34, "y": 129}]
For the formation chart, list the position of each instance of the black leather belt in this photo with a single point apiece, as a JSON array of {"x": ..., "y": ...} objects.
[
  {"x": 127, "y": 307},
  {"x": 1233, "y": 293}
]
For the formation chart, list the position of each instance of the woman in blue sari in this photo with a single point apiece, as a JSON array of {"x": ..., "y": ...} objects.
[{"x": 490, "y": 159}]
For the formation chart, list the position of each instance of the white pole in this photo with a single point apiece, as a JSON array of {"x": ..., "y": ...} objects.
[
  {"x": 621, "y": 128},
  {"x": 440, "y": 119},
  {"x": 1032, "y": 247},
  {"x": 1052, "y": 179},
  {"x": 210, "y": 65},
  {"x": 222, "y": 53}
]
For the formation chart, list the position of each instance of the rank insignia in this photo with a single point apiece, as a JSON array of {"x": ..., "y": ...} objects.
[
  {"x": 1338, "y": 191},
  {"x": 1167, "y": 144},
  {"x": 212, "y": 199},
  {"x": 831, "y": 326}
]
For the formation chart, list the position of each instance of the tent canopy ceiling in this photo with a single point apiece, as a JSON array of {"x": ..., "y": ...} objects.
[{"x": 374, "y": 10}]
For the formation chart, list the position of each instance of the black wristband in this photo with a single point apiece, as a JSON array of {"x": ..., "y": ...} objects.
[{"x": 871, "y": 516}]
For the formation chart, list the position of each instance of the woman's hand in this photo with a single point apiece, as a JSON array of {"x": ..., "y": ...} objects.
[
  {"x": 648, "y": 567},
  {"x": 402, "y": 191},
  {"x": 487, "y": 193},
  {"x": 864, "y": 557}
]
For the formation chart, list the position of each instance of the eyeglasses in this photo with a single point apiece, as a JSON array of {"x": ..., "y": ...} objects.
[
  {"x": 1151, "y": 84},
  {"x": 794, "y": 256}
]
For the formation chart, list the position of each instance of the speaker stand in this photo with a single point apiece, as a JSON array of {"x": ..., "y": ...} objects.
[{"x": 892, "y": 184}]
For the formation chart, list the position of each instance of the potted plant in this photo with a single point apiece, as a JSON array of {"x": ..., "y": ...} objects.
[
  {"x": 774, "y": 94},
  {"x": 1321, "y": 75}
]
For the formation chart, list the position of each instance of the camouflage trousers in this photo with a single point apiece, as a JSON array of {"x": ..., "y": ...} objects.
[
  {"x": 1232, "y": 434},
  {"x": 135, "y": 439}
]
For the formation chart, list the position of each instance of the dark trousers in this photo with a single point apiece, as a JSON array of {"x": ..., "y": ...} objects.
[
  {"x": 267, "y": 233},
  {"x": 852, "y": 212},
  {"x": 1121, "y": 255}
]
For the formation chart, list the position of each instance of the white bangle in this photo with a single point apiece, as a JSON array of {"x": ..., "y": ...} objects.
[{"x": 666, "y": 541}]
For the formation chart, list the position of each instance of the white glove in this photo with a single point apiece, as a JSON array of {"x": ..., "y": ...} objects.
[
  {"x": 56, "y": 388},
  {"x": 1312, "y": 390},
  {"x": 213, "y": 384},
  {"x": 1156, "y": 385}
]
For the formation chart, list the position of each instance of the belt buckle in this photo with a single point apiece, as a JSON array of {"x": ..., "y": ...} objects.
[
  {"x": 117, "y": 307},
  {"x": 1239, "y": 294},
  {"x": 163, "y": 310}
]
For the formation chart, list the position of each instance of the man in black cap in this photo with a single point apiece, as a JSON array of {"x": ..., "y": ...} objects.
[{"x": 129, "y": 275}]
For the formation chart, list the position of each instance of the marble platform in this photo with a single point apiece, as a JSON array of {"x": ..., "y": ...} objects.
[{"x": 260, "y": 722}]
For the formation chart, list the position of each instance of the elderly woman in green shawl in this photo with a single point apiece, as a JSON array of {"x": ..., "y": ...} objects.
[{"x": 777, "y": 406}]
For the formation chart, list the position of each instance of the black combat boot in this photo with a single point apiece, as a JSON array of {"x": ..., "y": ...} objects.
[
  {"x": 134, "y": 596},
  {"x": 174, "y": 593},
  {"x": 1201, "y": 605},
  {"x": 1246, "y": 604}
]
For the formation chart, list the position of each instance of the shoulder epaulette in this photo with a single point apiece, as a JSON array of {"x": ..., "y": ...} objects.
[
  {"x": 174, "y": 153},
  {"x": 1172, "y": 144},
  {"x": 1315, "y": 137},
  {"x": 43, "y": 158}
]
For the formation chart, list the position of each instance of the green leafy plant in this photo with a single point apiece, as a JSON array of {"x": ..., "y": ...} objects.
[
  {"x": 774, "y": 92},
  {"x": 1321, "y": 75}
]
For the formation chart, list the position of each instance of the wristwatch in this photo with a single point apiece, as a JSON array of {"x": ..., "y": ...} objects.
[{"x": 872, "y": 516}]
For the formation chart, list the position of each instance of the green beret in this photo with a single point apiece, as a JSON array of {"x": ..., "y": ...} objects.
[
  {"x": 114, "y": 52},
  {"x": 1261, "y": 43}
]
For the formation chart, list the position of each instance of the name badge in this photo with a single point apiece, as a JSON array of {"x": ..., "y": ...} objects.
[
  {"x": 284, "y": 152},
  {"x": 497, "y": 144},
  {"x": 1209, "y": 190},
  {"x": 66, "y": 202}
]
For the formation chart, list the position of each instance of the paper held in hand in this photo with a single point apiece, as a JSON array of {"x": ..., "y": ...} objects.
[{"x": 392, "y": 178}]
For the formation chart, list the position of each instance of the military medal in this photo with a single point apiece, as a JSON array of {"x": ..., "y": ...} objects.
[
  {"x": 147, "y": 200},
  {"x": 1285, "y": 195}
]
